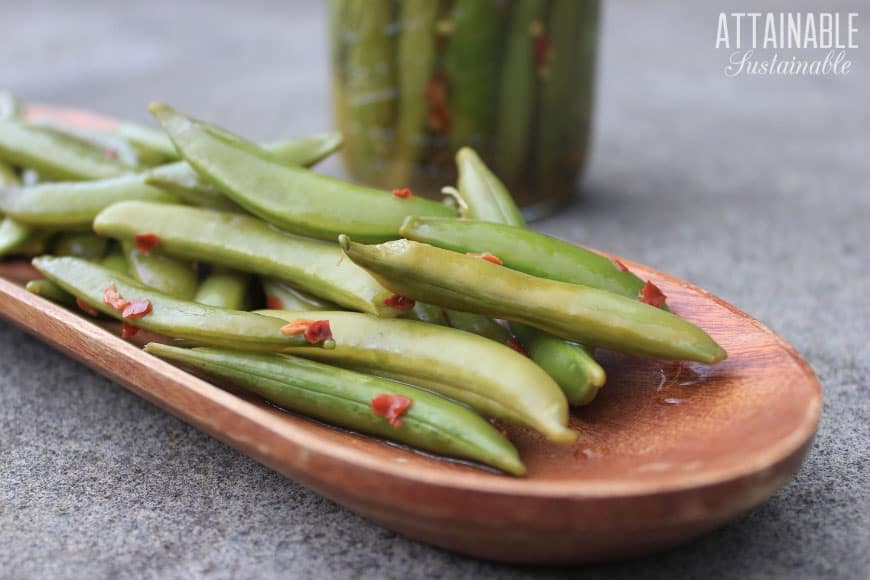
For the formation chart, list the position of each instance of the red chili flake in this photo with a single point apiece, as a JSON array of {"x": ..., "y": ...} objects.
[
  {"x": 391, "y": 407},
  {"x": 438, "y": 115},
  {"x": 318, "y": 332},
  {"x": 297, "y": 326},
  {"x": 137, "y": 308},
  {"x": 146, "y": 242},
  {"x": 622, "y": 267},
  {"x": 128, "y": 330},
  {"x": 541, "y": 47},
  {"x": 403, "y": 193},
  {"x": 650, "y": 294},
  {"x": 113, "y": 298},
  {"x": 399, "y": 302},
  {"x": 515, "y": 344},
  {"x": 273, "y": 303},
  {"x": 499, "y": 427},
  {"x": 486, "y": 256},
  {"x": 85, "y": 307}
]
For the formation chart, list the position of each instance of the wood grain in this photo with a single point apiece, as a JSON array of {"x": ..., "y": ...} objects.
[{"x": 666, "y": 453}]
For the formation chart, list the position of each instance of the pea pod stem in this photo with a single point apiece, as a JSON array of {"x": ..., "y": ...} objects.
[
  {"x": 284, "y": 195},
  {"x": 580, "y": 313},
  {"x": 249, "y": 245},
  {"x": 491, "y": 378},
  {"x": 170, "y": 316},
  {"x": 343, "y": 397}
]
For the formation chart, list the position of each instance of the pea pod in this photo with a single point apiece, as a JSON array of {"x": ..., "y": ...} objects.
[
  {"x": 73, "y": 206},
  {"x": 151, "y": 141},
  {"x": 50, "y": 291},
  {"x": 292, "y": 198},
  {"x": 493, "y": 379},
  {"x": 181, "y": 179},
  {"x": 224, "y": 288},
  {"x": 55, "y": 155},
  {"x": 12, "y": 235},
  {"x": 171, "y": 316},
  {"x": 249, "y": 245},
  {"x": 84, "y": 245},
  {"x": 343, "y": 398},
  {"x": 283, "y": 296},
  {"x": 171, "y": 276},
  {"x": 526, "y": 251},
  {"x": 486, "y": 196},
  {"x": 114, "y": 260},
  {"x": 580, "y": 313}
]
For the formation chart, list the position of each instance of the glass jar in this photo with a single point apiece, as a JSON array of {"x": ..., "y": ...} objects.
[{"x": 414, "y": 80}]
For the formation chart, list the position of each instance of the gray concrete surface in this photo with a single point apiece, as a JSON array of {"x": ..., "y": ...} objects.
[{"x": 755, "y": 188}]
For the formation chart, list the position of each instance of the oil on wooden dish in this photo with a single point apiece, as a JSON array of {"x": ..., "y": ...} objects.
[{"x": 665, "y": 453}]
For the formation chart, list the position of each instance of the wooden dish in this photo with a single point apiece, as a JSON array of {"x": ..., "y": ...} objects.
[{"x": 666, "y": 452}]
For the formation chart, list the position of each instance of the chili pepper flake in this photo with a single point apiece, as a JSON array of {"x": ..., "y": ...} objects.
[
  {"x": 85, "y": 307},
  {"x": 438, "y": 115},
  {"x": 273, "y": 303},
  {"x": 403, "y": 193},
  {"x": 515, "y": 344},
  {"x": 499, "y": 426},
  {"x": 652, "y": 295},
  {"x": 391, "y": 407},
  {"x": 486, "y": 256},
  {"x": 136, "y": 308},
  {"x": 314, "y": 331},
  {"x": 541, "y": 48},
  {"x": 622, "y": 267},
  {"x": 128, "y": 330},
  {"x": 399, "y": 302},
  {"x": 146, "y": 242},
  {"x": 113, "y": 298}
]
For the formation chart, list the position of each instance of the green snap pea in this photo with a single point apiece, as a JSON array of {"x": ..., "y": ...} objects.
[
  {"x": 84, "y": 245},
  {"x": 150, "y": 141},
  {"x": 525, "y": 250},
  {"x": 71, "y": 206},
  {"x": 493, "y": 379},
  {"x": 283, "y": 296},
  {"x": 224, "y": 288},
  {"x": 343, "y": 397},
  {"x": 427, "y": 313},
  {"x": 292, "y": 198},
  {"x": 170, "y": 275},
  {"x": 249, "y": 245},
  {"x": 486, "y": 196},
  {"x": 170, "y": 316},
  {"x": 55, "y": 155},
  {"x": 115, "y": 260},
  {"x": 98, "y": 143},
  {"x": 12, "y": 235},
  {"x": 50, "y": 291},
  {"x": 181, "y": 179},
  {"x": 480, "y": 325},
  {"x": 570, "y": 365},
  {"x": 580, "y": 313}
]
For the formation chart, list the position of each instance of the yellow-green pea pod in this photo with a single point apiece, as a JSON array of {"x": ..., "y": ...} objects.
[
  {"x": 169, "y": 275},
  {"x": 571, "y": 311},
  {"x": 225, "y": 288},
  {"x": 8, "y": 177},
  {"x": 50, "y": 291},
  {"x": 55, "y": 155},
  {"x": 283, "y": 296},
  {"x": 170, "y": 316},
  {"x": 249, "y": 245},
  {"x": 427, "y": 313},
  {"x": 291, "y": 197},
  {"x": 12, "y": 235},
  {"x": 115, "y": 260},
  {"x": 181, "y": 179},
  {"x": 73, "y": 206},
  {"x": 149, "y": 141},
  {"x": 486, "y": 196},
  {"x": 481, "y": 325},
  {"x": 84, "y": 245},
  {"x": 344, "y": 398},
  {"x": 493, "y": 379}
]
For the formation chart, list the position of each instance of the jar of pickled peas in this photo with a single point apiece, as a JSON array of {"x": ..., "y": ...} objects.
[{"x": 415, "y": 80}]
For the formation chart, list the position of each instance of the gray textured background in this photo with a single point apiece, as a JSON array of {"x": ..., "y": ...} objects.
[{"x": 755, "y": 188}]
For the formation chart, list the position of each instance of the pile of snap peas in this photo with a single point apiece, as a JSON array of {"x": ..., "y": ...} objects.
[{"x": 422, "y": 322}]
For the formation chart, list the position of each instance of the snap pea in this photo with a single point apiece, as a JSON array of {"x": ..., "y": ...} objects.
[
  {"x": 343, "y": 398},
  {"x": 99, "y": 143},
  {"x": 84, "y": 245},
  {"x": 12, "y": 235},
  {"x": 114, "y": 260},
  {"x": 518, "y": 79},
  {"x": 428, "y": 313},
  {"x": 470, "y": 62},
  {"x": 485, "y": 195},
  {"x": 55, "y": 155},
  {"x": 249, "y": 245},
  {"x": 224, "y": 288},
  {"x": 525, "y": 250},
  {"x": 181, "y": 179},
  {"x": 171, "y": 276},
  {"x": 480, "y": 325},
  {"x": 581, "y": 313},
  {"x": 170, "y": 316},
  {"x": 283, "y": 296},
  {"x": 292, "y": 198},
  {"x": 149, "y": 140},
  {"x": 570, "y": 365},
  {"x": 491, "y": 378},
  {"x": 71, "y": 206},
  {"x": 50, "y": 291}
]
